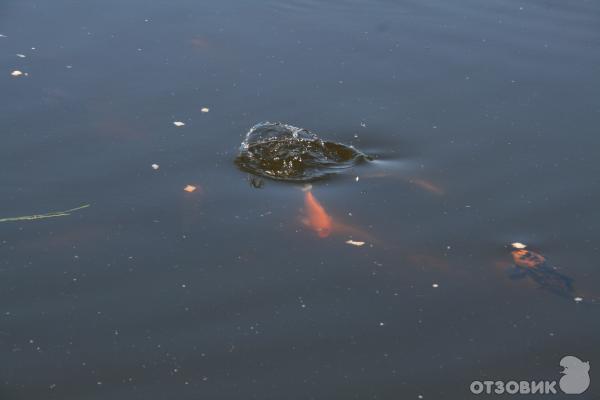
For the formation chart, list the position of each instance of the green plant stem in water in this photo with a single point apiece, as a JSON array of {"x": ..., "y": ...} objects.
[{"x": 47, "y": 215}]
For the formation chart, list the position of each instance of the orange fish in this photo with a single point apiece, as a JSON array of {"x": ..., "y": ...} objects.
[
  {"x": 421, "y": 183},
  {"x": 317, "y": 218},
  {"x": 200, "y": 42},
  {"x": 429, "y": 186},
  {"x": 527, "y": 259}
]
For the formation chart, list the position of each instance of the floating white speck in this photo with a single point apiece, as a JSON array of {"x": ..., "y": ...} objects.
[
  {"x": 155, "y": 166},
  {"x": 435, "y": 285},
  {"x": 382, "y": 324},
  {"x": 355, "y": 243},
  {"x": 205, "y": 109},
  {"x": 357, "y": 179},
  {"x": 518, "y": 245},
  {"x": 1, "y": 35},
  {"x": 21, "y": 55},
  {"x": 578, "y": 299},
  {"x": 68, "y": 66},
  {"x": 16, "y": 73},
  {"x": 178, "y": 123}
]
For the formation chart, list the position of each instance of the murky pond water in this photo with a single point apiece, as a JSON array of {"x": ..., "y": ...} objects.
[{"x": 389, "y": 280}]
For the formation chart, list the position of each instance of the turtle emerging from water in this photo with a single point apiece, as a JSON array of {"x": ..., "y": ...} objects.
[{"x": 288, "y": 153}]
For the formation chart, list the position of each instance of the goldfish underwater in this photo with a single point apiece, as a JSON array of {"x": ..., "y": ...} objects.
[{"x": 531, "y": 265}]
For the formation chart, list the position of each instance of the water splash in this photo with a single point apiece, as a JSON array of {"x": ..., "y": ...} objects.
[{"x": 288, "y": 153}]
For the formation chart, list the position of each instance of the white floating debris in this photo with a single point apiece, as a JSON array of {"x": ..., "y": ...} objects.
[
  {"x": 68, "y": 66},
  {"x": 155, "y": 166},
  {"x": 205, "y": 109},
  {"x": 178, "y": 123},
  {"x": 355, "y": 243},
  {"x": 16, "y": 73},
  {"x": 435, "y": 285},
  {"x": 1, "y": 35},
  {"x": 382, "y": 324},
  {"x": 357, "y": 179},
  {"x": 518, "y": 245},
  {"x": 21, "y": 55},
  {"x": 578, "y": 299}
]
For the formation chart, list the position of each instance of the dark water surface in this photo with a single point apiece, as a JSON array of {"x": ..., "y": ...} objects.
[{"x": 483, "y": 117}]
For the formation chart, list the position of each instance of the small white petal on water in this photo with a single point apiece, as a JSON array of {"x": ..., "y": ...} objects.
[
  {"x": 355, "y": 243},
  {"x": 21, "y": 55},
  {"x": 578, "y": 299},
  {"x": 1, "y": 35},
  {"x": 205, "y": 109},
  {"x": 155, "y": 166},
  {"x": 178, "y": 123},
  {"x": 357, "y": 179},
  {"x": 518, "y": 245},
  {"x": 435, "y": 285}
]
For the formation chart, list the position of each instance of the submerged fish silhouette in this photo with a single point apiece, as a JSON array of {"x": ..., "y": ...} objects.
[
  {"x": 316, "y": 218},
  {"x": 529, "y": 264}
]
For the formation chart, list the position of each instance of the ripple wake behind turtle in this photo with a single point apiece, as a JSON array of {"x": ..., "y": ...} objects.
[{"x": 288, "y": 153}]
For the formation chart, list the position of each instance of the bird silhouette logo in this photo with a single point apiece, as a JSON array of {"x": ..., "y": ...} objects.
[{"x": 576, "y": 377}]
